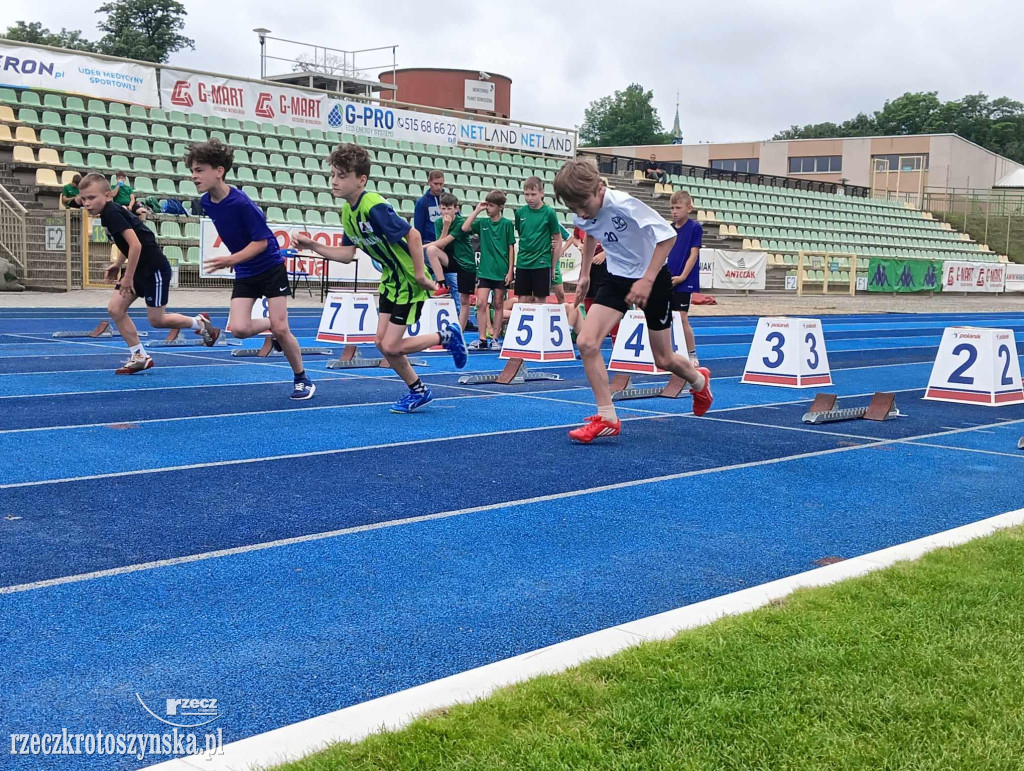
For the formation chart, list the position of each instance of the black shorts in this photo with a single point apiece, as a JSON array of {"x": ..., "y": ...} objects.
[
  {"x": 272, "y": 282},
  {"x": 466, "y": 280},
  {"x": 154, "y": 288},
  {"x": 491, "y": 283},
  {"x": 681, "y": 301},
  {"x": 401, "y": 313},
  {"x": 598, "y": 273},
  {"x": 535, "y": 282},
  {"x": 613, "y": 291}
]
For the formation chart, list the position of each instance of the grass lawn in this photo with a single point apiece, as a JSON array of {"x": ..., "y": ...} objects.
[{"x": 919, "y": 666}]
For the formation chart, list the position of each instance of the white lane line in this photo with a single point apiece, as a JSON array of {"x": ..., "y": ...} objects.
[{"x": 396, "y": 710}]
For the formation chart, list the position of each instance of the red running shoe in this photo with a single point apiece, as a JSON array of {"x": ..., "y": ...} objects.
[
  {"x": 595, "y": 427},
  {"x": 702, "y": 399},
  {"x": 442, "y": 290}
]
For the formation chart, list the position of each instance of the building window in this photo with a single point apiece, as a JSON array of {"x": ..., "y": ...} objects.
[
  {"x": 818, "y": 164},
  {"x": 742, "y": 165},
  {"x": 901, "y": 162}
]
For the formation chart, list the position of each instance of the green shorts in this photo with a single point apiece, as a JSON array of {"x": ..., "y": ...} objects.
[{"x": 558, "y": 274}]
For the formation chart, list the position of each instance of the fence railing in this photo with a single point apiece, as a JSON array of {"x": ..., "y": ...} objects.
[
  {"x": 13, "y": 241},
  {"x": 992, "y": 217}
]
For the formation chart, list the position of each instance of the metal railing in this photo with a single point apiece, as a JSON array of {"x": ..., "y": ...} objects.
[
  {"x": 992, "y": 217},
  {"x": 13, "y": 240},
  {"x": 615, "y": 164}
]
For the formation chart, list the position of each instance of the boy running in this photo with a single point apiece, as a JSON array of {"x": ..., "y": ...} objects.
[
  {"x": 147, "y": 274},
  {"x": 255, "y": 257},
  {"x": 370, "y": 223},
  {"x": 637, "y": 242}
]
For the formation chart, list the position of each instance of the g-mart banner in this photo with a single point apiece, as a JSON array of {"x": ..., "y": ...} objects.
[
  {"x": 973, "y": 276},
  {"x": 210, "y": 245},
  {"x": 240, "y": 99},
  {"x": 41, "y": 68}
]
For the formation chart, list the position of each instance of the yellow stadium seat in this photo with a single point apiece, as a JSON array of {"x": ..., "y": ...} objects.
[
  {"x": 26, "y": 134},
  {"x": 638, "y": 176},
  {"x": 755, "y": 244},
  {"x": 711, "y": 216},
  {"x": 67, "y": 175},
  {"x": 5, "y": 134},
  {"x": 7, "y": 114},
  {"x": 747, "y": 244},
  {"x": 47, "y": 178},
  {"x": 24, "y": 154},
  {"x": 49, "y": 155},
  {"x": 701, "y": 215}
]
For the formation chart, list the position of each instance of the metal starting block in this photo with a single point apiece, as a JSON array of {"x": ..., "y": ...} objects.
[
  {"x": 268, "y": 347},
  {"x": 623, "y": 389},
  {"x": 351, "y": 359},
  {"x": 175, "y": 339},
  {"x": 823, "y": 409},
  {"x": 1020, "y": 443},
  {"x": 515, "y": 372},
  {"x": 103, "y": 329}
]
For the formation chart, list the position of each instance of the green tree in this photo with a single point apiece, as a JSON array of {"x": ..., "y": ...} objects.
[
  {"x": 625, "y": 118},
  {"x": 996, "y": 124},
  {"x": 143, "y": 29},
  {"x": 37, "y": 33}
]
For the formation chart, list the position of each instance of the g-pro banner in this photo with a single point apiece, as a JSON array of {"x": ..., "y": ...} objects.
[
  {"x": 40, "y": 68},
  {"x": 904, "y": 275}
]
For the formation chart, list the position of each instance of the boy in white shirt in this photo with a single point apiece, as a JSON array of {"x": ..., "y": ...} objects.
[{"x": 637, "y": 242}]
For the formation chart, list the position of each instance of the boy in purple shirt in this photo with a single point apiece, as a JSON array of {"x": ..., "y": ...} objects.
[
  {"x": 684, "y": 263},
  {"x": 255, "y": 256}
]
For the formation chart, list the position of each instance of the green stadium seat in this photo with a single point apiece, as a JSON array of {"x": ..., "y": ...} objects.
[
  {"x": 50, "y": 137},
  {"x": 269, "y": 195},
  {"x": 142, "y": 165},
  {"x": 264, "y": 176},
  {"x": 162, "y": 148},
  {"x": 253, "y": 141},
  {"x": 294, "y": 162},
  {"x": 282, "y": 177},
  {"x": 290, "y": 197},
  {"x": 294, "y": 216},
  {"x": 252, "y": 192},
  {"x": 333, "y": 219},
  {"x": 160, "y": 131},
  {"x": 271, "y": 144},
  {"x": 179, "y": 133},
  {"x": 192, "y": 255},
  {"x": 74, "y": 159},
  {"x": 277, "y": 161},
  {"x": 244, "y": 174},
  {"x": 173, "y": 254},
  {"x": 313, "y": 217},
  {"x": 137, "y": 111},
  {"x": 28, "y": 115},
  {"x": 164, "y": 167},
  {"x": 8, "y": 96},
  {"x": 259, "y": 158},
  {"x": 170, "y": 231},
  {"x": 325, "y": 199},
  {"x": 120, "y": 163},
  {"x": 187, "y": 189},
  {"x": 269, "y": 129},
  {"x": 198, "y": 135},
  {"x": 119, "y": 145},
  {"x": 288, "y": 146},
  {"x": 165, "y": 186},
  {"x": 96, "y": 142},
  {"x": 398, "y": 188},
  {"x": 313, "y": 164}
]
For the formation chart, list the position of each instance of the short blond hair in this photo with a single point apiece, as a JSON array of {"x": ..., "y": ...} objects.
[
  {"x": 576, "y": 181},
  {"x": 681, "y": 196}
]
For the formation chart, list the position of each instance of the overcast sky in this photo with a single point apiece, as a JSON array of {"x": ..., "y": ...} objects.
[{"x": 745, "y": 69}]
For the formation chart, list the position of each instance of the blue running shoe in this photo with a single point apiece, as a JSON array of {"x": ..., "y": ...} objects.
[
  {"x": 304, "y": 389},
  {"x": 412, "y": 401},
  {"x": 457, "y": 346}
]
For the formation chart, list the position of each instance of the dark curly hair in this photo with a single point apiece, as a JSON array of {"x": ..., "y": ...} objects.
[{"x": 213, "y": 153}]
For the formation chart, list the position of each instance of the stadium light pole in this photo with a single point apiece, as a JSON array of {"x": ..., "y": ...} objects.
[{"x": 263, "y": 32}]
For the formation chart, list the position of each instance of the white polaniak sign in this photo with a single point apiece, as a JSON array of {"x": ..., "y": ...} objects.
[{"x": 39, "y": 68}]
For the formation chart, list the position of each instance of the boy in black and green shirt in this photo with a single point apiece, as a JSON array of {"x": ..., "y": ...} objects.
[
  {"x": 497, "y": 256},
  {"x": 371, "y": 224},
  {"x": 69, "y": 193},
  {"x": 452, "y": 251},
  {"x": 540, "y": 240}
]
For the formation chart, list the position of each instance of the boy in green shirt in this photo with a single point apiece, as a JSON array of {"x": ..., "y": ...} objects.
[
  {"x": 497, "y": 256},
  {"x": 539, "y": 243},
  {"x": 371, "y": 224},
  {"x": 69, "y": 193},
  {"x": 452, "y": 251}
]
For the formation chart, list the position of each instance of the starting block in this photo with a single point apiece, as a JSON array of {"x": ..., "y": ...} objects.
[
  {"x": 102, "y": 329},
  {"x": 632, "y": 353},
  {"x": 823, "y": 409},
  {"x": 1020, "y": 443},
  {"x": 536, "y": 332},
  {"x": 175, "y": 339},
  {"x": 268, "y": 348},
  {"x": 622, "y": 389},
  {"x": 351, "y": 358}
]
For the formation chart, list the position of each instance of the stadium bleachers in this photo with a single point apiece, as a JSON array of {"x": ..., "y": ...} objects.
[{"x": 284, "y": 170}]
